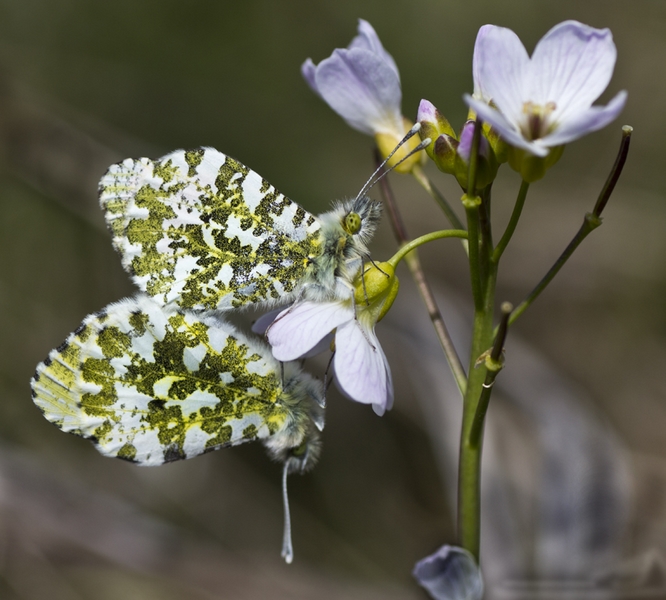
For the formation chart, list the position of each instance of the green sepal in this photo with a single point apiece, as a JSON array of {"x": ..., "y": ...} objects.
[
  {"x": 439, "y": 150},
  {"x": 532, "y": 168},
  {"x": 499, "y": 146},
  {"x": 445, "y": 153}
]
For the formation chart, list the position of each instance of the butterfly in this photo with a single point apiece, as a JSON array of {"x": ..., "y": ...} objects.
[{"x": 199, "y": 230}]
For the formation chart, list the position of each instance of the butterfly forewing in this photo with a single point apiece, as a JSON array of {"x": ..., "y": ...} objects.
[
  {"x": 154, "y": 386},
  {"x": 201, "y": 230}
]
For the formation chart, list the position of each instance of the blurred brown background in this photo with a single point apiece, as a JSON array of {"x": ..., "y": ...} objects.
[{"x": 575, "y": 477}]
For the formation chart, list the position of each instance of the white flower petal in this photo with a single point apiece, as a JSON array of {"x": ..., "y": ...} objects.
[
  {"x": 591, "y": 119},
  {"x": 571, "y": 66},
  {"x": 298, "y": 328},
  {"x": 363, "y": 89},
  {"x": 479, "y": 90},
  {"x": 361, "y": 368},
  {"x": 502, "y": 69},
  {"x": 308, "y": 70},
  {"x": 368, "y": 39}
]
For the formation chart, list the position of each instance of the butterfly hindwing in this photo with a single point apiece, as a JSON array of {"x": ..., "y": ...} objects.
[
  {"x": 152, "y": 386},
  {"x": 199, "y": 229}
]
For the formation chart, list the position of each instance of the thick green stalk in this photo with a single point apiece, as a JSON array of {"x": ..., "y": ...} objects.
[
  {"x": 494, "y": 362},
  {"x": 483, "y": 274},
  {"x": 469, "y": 473},
  {"x": 472, "y": 204}
]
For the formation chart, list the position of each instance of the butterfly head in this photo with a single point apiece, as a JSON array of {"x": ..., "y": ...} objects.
[{"x": 359, "y": 219}]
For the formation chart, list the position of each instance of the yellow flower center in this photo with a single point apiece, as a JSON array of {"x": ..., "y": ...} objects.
[{"x": 537, "y": 120}]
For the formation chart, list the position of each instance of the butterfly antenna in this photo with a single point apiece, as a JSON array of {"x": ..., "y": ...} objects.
[
  {"x": 413, "y": 131},
  {"x": 424, "y": 144},
  {"x": 287, "y": 546}
]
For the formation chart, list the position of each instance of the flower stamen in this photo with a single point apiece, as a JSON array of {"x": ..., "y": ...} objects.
[{"x": 537, "y": 122}]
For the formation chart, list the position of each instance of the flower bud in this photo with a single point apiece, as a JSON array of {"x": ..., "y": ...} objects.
[
  {"x": 486, "y": 166},
  {"x": 445, "y": 153},
  {"x": 444, "y": 143},
  {"x": 375, "y": 292},
  {"x": 433, "y": 123}
]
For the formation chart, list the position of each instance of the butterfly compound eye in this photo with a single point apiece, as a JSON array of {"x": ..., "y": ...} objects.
[{"x": 352, "y": 223}]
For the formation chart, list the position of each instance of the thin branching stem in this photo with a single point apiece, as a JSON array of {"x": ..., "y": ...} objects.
[
  {"x": 443, "y": 203},
  {"x": 590, "y": 223},
  {"x": 511, "y": 227}
]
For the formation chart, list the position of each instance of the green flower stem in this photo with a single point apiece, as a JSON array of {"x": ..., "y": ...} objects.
[
  {"x": 486, "y": 229},
  {"x": 469, "y": 468},
  {"x": 511, "y": 227},
  {"x": 472, "y": 204},
  {"x": 483, "y": 272},
  {"x": 485, "y": 236},
  {"x": 494, "y": 364},
  {"x": 590, "y": 223},
  {"x": 407, "y": 247},
  {"x": 423, "y": 180}
]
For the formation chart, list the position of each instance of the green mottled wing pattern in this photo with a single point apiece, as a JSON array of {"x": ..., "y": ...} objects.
[
  {"x": 201, "y": 230},
  {"x": 153, "y": 386}
]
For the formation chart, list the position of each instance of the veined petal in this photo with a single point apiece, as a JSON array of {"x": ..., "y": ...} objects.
[
  {"x": 298, "y": 328},
  {"x": 361, "y": 367},
  {"x": 507, "y": 130},
  {"x": 368, "y": 39},
  {"x": 571, "y": 66},
  {"x": 586, "y": 121},
  {"x": 502, "y": 69},
  {"x": 363, "y": 89},
  {"x": 479, "y": 90}
]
